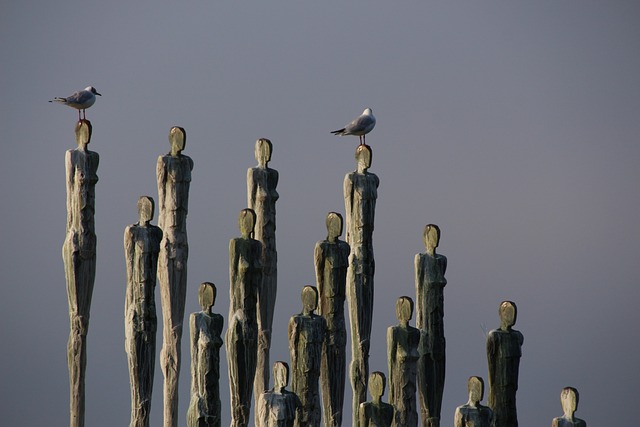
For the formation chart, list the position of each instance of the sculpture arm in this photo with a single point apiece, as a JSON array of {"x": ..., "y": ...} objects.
[
  {"x": 129, "y": 255},
  {"x": 293, "y": 342},
  {"x": 420, "y": 297},
  {"x": 194, "y": 335},
  {"x": 161, "y": 174},
  {"x": 69, "y": 184},
  {"x": 348, "y": 204},
  {"x": 444, "y": 264},
  {"x": 318, "y": 258},
  {"x": 362, "y": 415},
  {"x": 458, "y": 420},
  {"x": 233, "y": 272},
  {"x": 251, "y": 189},
  {"x": 391, "y": 359},
  {"x": 275, "y": 177},
  {"x": 491, "y": 355}
]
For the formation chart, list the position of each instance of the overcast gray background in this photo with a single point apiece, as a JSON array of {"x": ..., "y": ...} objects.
[{"x": 512, "y": 125}]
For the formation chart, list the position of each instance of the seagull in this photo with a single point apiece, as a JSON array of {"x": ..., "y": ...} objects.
[
  {"x": 80, "y": 100},
  {"x": 360, "y": 126}
]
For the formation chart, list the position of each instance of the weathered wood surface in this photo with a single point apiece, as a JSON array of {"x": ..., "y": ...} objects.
[
  {"x": 79, "y": 257},
  {"x": 474, "y": 414},
  {"x": 262, "y": 197},
  {"x": 402, "y": 358},
  {"x": 278, "y": 407},
  {"x": 376, "y": 413},
  {"x": 174, "y": 177},
  {"x": 331, "y": 259},
  {"x": 430, "y": 268},
  {"x": 360, "y": 194},
  {"x": 141, "y": 249},
  {"x": 245, "y": 281},
  {"x": 205, "y": 409},
  {"x": 504, "y": 349},
  {"x": 306, "y": 336}
]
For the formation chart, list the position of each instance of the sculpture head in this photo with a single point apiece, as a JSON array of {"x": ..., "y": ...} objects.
[
  {"x": 207, "y": 296},
  {"x": 377, "y": 384},
  {"x": 247, "y": 222},
  {"x": 177, "y": 139},
  {"x": 334, "y": 226},
  {"x": 569, "y": 400},
  {"x": 404, "y": 309},
  {"x": 431, "y": 238},
  {"x": 263, "y": 151},
  {"x": 363, "y": 157},
  {"x": 508, "y": 313},
  {"x": 475, "y": 387},
  {"x": 309, "y": 299},
  {"x": 280, "y": 376},
  {"x": 83, "y": 133},
  {"x": 146, "y": 208}
]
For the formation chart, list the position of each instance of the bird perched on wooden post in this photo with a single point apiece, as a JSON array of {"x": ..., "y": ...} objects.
[
  {"x": 80, "y": 100},
  {"x": 360, "y": 126}
]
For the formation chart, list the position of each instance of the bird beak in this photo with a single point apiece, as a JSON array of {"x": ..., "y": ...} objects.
[{"x": 98, "y": 94}]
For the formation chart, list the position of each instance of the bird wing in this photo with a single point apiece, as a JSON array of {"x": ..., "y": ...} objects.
[
  {"x": 359, "y": 125},
  {"x": 79, "y": 97}
]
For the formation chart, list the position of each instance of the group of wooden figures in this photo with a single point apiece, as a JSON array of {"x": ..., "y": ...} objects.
[{"x": 317, "y": 336}]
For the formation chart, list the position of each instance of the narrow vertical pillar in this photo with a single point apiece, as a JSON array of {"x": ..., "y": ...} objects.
[
  {"x": 174, "y": 177},
  {"x": 79, "y": 257},
  {"x": 261, "y": 198},
  {"x": 360, "y": 194}
]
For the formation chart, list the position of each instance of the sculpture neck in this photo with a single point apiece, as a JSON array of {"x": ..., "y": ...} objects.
[{"x": 473, "y": 403}]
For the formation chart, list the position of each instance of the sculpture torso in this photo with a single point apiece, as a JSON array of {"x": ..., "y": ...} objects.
[
  {"x": 280, "y": 408},
  {"x": 473, "y": 416},
  {"x": 430, "y": 271},
  {"x": 376, "y": 414},
  {"x": 332, "y": 261},
  {"x": 82, "y": 166},
  {"x": 174, "y": 178},
  {"x": 142, "y": 246},
  {"x": 361, "y": 197},
  {"x": 246, "y": 279}
]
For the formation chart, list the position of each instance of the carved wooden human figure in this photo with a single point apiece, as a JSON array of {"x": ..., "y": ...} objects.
[
  {"x": 331, "y": 258},
  {"x": 262, "y": 197},
  {"x": 79, "y": 257},
  {"x": 430, "y": 268},
  {"x": 402, "y": 357},
  {"x": 360, "y": 194},
  {"x": 306, "y": 336},
  {"x": 569, "y": 398},
  {"x": 504, "y": 348},
  {"x": 174, "y": 177},
  {"x": 376, "y": 413},
  {"x": 245, "y": 279},
  {"x": 474, "y": 414},
  {"x": 206, "y": 340},
  {"x": 141, "y": 249},
  {"x": 278, "y": 407}
]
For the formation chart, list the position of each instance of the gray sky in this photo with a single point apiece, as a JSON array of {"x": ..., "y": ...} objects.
[{"x": 512, "y": 125}]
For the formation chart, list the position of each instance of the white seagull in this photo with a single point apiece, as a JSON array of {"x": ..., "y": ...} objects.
[
  {"x": 360, "y": 126},
  {"x": 80, "y": 100}
]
